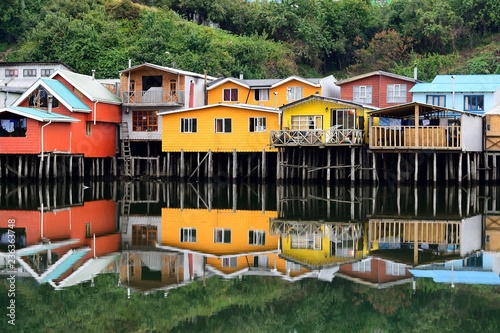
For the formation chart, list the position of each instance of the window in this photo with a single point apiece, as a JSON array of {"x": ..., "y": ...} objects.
[
  {"x": 395, "y": 269},
  {"x": 222, "y": 236},
  {"x": 396, "y": 93},
  {"x": 39, "y": 98},
  {"x": 362, "y": 266},
  {"x": 223, "y": 125},
  {"x": 46, "y": 72},
  {"x": 256, "y": 237},
  {"x": 303, "y": 123},
  {"x": 344, "y": 117},
  {"x": 189, "y": 125},
  {"x": 144, "y": 235},
  {"x": 293, "y": 93},
  {"x": 230, "y": 95},
  {"x": 88, "y": 231},
  {"x": 362, "y": 94},
  {"x": 230, "y": 262},
  {"x": 188, "y": 235},
  {"x": 261, "y": 94},
  {"x": 29, "y": 72},
  {"x": 14, "y": 127},
  {"x": 257, "y": 124},
  {"x": 145, "y": 121},
  {"x": 173, "y": 87},
  {"x": 11, "y": 73},
  {"x": 293, "y": 267},
  {"x": 438, "y": 100},
  {"x": 473, "y": 103},
  {"x": 88, "y": 128}
]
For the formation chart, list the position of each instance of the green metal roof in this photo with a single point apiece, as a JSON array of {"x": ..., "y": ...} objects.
[
  {"x": 67, "y": 95},
  {"x": 38, "y": 114},
  {"x": 89, "y": 86}
]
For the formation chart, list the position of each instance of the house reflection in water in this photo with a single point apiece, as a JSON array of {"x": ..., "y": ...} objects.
[{"x": 64, "y": 246}]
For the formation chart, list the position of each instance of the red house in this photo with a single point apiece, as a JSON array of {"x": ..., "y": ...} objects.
[
  {"x": 61, "y": 118},
  {"x": 380, "y": 89}
]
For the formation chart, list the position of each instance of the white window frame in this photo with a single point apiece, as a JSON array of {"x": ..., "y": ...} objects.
[
  {"x": 222, "y": 236},
  {"x": 293, "y": 93},
  {"x": 230, "y": 262},
  {"x": 396, "y": 93},
  {"x": 9, "y": 72},
  {"x": 362, "y": 266},
  {"x": 230, "y": 94},
  {"x": 293, "y": 267},
  {"x": 261, "y": 95},
  {"x": 257, "y": 124},
  {"x": 29, "y": 72},
  {"x": 395, "y": 269},
  {"x": 189, "y": 125},
  {"x": 46, "y": 72},
  {"x": 256, "y": 237},
  {"x": 362, "y": 94},
  {"x": 304, "y": 123},
  {"x": 224, "y": 122},
  {"x": 430, "y": 99},
  {"x": 188, "y": 235}
]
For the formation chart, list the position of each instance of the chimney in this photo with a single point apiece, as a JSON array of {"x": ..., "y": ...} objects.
[
  {"x": 49, "y": 103},
  {"x": 93, "y": 74},
  {"x": 415, "y": 72},
  {"x": 241, "y": 75}
]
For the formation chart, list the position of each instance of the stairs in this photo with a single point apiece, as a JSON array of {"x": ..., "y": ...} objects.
[{"x": 125, "y": 145}]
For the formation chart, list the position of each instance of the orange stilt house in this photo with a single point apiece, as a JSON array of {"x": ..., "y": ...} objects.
[{"x": 57, "y": 123}]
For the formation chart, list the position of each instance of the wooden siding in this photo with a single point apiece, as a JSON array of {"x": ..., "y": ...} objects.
[
  {"x": 405, "y": 137},
  {"x": 206, "y": 139},
  {"x": 379, "y": 89},
  {"x": 30, "y": 144},
  {"x": 492, "y": 227},
  {"x": 205, "y": 222},
  {"x": 246, "y": 96},
  {"x": 492, "y": 132}
]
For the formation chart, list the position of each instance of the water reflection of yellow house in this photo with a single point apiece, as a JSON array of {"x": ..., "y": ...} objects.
[
  {"x": 317, "y": 244},
  {"x": 230, "y": 240},
  {"x": 425, "y": 239}
]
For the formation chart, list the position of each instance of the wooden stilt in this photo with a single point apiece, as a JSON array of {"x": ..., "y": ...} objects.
[
  {"x": 398, "y": 171},
  {"x": 460, "y": 168},
  {"x": 434, "y": 168},
  {"x": 264, "y": 164},
  {"x": 416, "y": 168}
]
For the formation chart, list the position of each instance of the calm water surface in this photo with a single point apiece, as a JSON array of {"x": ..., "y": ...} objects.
[{"x": 198, "y": 257}]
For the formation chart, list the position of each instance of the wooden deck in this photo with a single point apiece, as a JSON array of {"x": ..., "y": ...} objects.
[
  {"x": 334, "y": 136},
  {"x": 411, "y": 137},
  {"x": 153, "y": 97}
]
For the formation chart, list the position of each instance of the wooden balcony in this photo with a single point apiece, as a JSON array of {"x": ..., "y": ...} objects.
[
  {"x": 334, "y": 136},
  {"x": 411, "y": 137},
  {"x": 152, "y": 97}
]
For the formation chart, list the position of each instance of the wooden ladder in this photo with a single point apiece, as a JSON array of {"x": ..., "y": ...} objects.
[{"x": 125, "y": 145}]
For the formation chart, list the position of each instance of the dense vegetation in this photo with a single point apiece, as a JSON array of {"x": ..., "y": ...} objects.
[
  {"x": 261, "y": 39},
  {"x": 255, "y": 304}
]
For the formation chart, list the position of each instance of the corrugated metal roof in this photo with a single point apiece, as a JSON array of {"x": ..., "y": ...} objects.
[
  {"x": 458, "y": 276},
  {"x": 63, "y": 264},
  {"x": 327, "y": 99},
  {"x": 168, "y": 69},
  {"x": 363, "y": 76},
  {"x": 408, "y": 109},
  {"x": 461, "y": 84},
  {"x": 38, "y": 114},
  {"x": 61, "y": 91},
  {"x": 89, "y": 86}
]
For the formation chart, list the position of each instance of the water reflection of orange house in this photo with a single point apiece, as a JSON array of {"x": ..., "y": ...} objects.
[
  {"x": 52, "y": 240},
  {"x": 375, "y": 272}
]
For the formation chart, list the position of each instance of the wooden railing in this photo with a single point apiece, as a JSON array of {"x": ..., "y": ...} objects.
[
  {"x": 410, "y": 137},
  {"x": 332, "y": 136},
  {"x": 153, "y": 97}
]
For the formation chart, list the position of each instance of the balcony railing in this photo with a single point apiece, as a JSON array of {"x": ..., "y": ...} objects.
[
  {"x": 333, "y": 136},
  {"x": 410, "y": 137},
  {"x": 153, "y": 97}
]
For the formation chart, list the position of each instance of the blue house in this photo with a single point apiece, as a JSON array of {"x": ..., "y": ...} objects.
[{"x": 471, "y": 93}]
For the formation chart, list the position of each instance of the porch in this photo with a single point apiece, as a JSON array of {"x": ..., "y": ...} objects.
[
  {"x": 154, "y": 96},
  {"x": 334, "y": 136},
  {"x": 413, "y": 137}
]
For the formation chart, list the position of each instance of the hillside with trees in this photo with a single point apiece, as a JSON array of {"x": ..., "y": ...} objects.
[{"x": 261, "y": 39}]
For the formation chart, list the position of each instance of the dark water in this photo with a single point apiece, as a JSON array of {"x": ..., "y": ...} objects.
[{"x": 203, "y": 257}]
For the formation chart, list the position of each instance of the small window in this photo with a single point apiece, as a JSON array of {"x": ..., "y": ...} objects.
[
  {"x": 362, "y": 266},
  {"x": 39, "y": 98},
  {"x": 11, "y": 73},
  {"x": 45, "y": 72},
  {"x": 261, "y": 94},
  {"x": 230, "y": 95},
  {"x": 222, "y": 236},
  {"x": 145, "y": 121},
  {"x": 395, "y": 269},
  {"x": 293, "y": 267},
  {"x": 473, "y": 103},
  {"x": 257, "y": 124},
  {"x": 438, "y": 100},
  {"x": 362, "y": 94},
  {"x": 88, "y": 231},
  {"x": 230, "y": 262},
  {"x": 173, "y": 87},
  {"x": 88, "y": 128},
  {"x": 396, "y": 93},
  {"x": 189, "y": 125},
  {"x": 223, "y": 125},
  {"x": 256, "y": 237},
  {"x": 293, "y": 93},
  {"x": 29, "y": 72},
  {"x": 14, "y": 127},
  {"x": 188, "y": 235}
]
